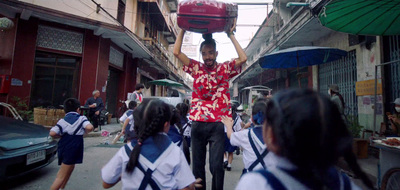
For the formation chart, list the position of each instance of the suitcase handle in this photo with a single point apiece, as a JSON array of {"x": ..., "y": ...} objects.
[
  {"x": 199, "y": 22},
  {"x": 199, "y": 30}
]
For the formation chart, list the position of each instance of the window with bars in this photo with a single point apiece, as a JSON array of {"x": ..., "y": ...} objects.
[{"x": 121, "y": 11}]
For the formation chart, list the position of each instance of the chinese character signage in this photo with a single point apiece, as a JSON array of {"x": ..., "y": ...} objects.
[{"x": 367, "y": 87}]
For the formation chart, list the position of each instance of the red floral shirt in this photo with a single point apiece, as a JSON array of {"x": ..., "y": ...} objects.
[{"x": 210, "y": 96}]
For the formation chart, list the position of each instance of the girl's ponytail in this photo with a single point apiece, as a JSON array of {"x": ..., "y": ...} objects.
[{"x": 133, "y": 158}]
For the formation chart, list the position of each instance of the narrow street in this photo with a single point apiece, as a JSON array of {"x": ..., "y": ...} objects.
[
  {"x": 111, "y": 54},
  {"x": 86, "y": 176}
]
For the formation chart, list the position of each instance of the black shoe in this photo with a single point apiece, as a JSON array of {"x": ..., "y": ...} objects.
[
  {"x": 237, "y": 151},
  {"x": 225, "y": 164},
  {"x": 228, "y": 168}
]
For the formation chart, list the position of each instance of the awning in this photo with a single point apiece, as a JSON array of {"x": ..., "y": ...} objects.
[{"x": 310, "y": 31}]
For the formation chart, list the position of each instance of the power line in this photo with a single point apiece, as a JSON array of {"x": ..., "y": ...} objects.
[{"x": 133, "y": 12}]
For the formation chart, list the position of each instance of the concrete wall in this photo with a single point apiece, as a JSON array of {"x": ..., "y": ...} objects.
[
  {"x": 7, "y": 41},
  {"x": 89, "y": 66},
  {"x": 82, "y": 8},
  {"x": 24, "y": 55},
  {"x": 366, "y": 61},
  {"x": 131, "y": 15}
]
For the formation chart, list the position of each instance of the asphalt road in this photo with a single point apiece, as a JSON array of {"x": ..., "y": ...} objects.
[{"x": 86, "y": 176}]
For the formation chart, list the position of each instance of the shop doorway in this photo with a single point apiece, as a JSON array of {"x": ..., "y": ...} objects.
[
  {"x": 112, "y": 90},
  {"x": 55, "y": 79}
]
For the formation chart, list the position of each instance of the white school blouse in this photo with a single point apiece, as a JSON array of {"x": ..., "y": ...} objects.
[
  {"x": 241, "y": 139},
  {"x": 125, "y": 116},
  {"x": 131, "y": 123},
  {"x": 237, "y": 126},
  {"x": 254, "y": 180},
  {"x": 171, "y": 170}
]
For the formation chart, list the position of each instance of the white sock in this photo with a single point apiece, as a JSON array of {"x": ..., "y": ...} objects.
[
  {"x": 229, "y": 165},
  {"x": 225, "y": 159}
]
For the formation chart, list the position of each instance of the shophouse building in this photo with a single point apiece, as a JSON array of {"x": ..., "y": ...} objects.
[{"x": 59, "y": 49}]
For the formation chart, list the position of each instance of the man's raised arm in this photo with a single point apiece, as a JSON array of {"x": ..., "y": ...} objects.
[
  {"x": 177, "y": 49},
  {"x": 242, "y": 55}
]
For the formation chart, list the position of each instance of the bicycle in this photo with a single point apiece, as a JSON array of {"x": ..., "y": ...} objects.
[
  {"x": 391, "y": 179},
  {"x": 121, "y": 110}
]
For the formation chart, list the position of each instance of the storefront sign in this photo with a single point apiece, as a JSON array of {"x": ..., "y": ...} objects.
[
  {"x": 190, "y": 50},
  {"x": 16, "y": 82},
  {"x": 366, "y": 100},
  {"x": 367, "y": 87}
]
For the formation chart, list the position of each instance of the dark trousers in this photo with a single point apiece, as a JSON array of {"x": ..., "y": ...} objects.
[
  {"x": 94, "y": 119},
  {"x": 204, "y": 133}
]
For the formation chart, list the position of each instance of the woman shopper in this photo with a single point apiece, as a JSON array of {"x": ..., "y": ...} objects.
[{"x": 336, "y": 97}]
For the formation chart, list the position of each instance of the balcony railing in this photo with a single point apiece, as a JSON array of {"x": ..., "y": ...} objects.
[{"x": 161, "y": 53}]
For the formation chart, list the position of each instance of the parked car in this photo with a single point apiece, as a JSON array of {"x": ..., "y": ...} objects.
[{"x": 24, "y": 147}]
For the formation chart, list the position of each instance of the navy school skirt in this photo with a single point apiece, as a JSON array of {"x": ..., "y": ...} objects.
[
  {"x": 228, "y": 147},
  {"x": 70, "y": 149}
]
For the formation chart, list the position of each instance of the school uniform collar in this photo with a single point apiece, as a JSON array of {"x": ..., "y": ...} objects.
[
  {"x": 72, "y": 112},
  {"x": 154, "y": 150},
  {"x": 174, "y": 134},
  {"x": 280, "y": 162},
  {"x": 256, "y": 133},
  {"x": 71, "y": 117}
]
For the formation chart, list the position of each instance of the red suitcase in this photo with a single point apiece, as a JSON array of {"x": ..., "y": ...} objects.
[{"x": 206, "y": 16}]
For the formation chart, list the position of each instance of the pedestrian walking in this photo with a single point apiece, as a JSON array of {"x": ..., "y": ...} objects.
[
  {"x": 229, "y": 148},
  {"x": 127, "y": 122},
  {"x": 336, "y": 97},
  {"x": 95, "y": 104},
  {"x": 306, "y": 136},
  {"x": 250, "y": 139},
  {"x": 137, "y": 95},
  {"x": 210, "y": 101},
  {"x": 70, "y": 147},
  {"x": 153, "y": 161}
]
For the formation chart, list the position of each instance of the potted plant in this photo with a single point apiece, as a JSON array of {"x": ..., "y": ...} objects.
[{"x": 22, "y": 108}]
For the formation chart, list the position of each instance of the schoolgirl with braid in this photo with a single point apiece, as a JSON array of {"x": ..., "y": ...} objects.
[
  {"x": 152, "y": 161},
  {"x": 305, "y": 136}
]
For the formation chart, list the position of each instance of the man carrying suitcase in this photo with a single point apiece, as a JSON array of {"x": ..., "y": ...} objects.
[{"x": 210, "y": 101}]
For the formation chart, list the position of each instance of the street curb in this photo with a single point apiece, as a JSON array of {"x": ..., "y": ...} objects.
[{"x": 94, "y": 134}]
